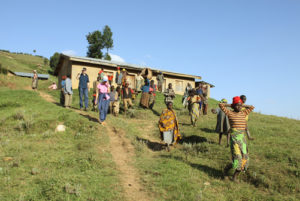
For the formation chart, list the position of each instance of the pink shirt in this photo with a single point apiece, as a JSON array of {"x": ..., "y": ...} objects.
[{"x": 103, "y": 89}]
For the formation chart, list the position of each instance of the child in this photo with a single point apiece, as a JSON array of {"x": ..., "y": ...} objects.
[
  {"x": 222, "y": 126},
  {"x": 244, "y": 98},
  {"x": 237, "y": 119}
]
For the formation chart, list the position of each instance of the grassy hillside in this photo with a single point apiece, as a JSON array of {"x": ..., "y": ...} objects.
[
  {"x": 45, "y": 165},
  {"x": 23, "y": 62}
]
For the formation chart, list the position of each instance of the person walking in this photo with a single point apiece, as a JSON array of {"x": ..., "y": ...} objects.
[
  {"x": 68, "y": 91},
  {"x": 160, "y": 80},
  {"x": 168, "y": 126},
  {"x": 127, "y": 97},
  {"x": 95, "y": 91},
  {"x": 144, "y": 102},
  {"x": 103, "y": 99},
  {"x": 62, "y": 93},
  {"x": 238, "y": 144},
  {"x": 205, "y": 100},
  {"x": 152, "y": 91},
  {"x": 194, "y": 100},
  {"x": 35, "y": 79},
  {"x": 83, "y": 89},
  {"x": 186, "y": 94},
  {"x": 169, "y": 94},
  {"x": 223, "y": 125}
]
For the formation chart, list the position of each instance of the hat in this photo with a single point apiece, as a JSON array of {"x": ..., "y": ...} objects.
[
  {"x": 118, "y": 67},
  {"x": 224, "y": 100},
  {"x": 105, "y": 78},
  {"x": 34, "y": 71},
  {"x": 123, "y": 69}
]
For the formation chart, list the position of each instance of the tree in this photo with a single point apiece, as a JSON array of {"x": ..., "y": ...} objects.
[
  {"x": 95, "y": 41},
  {"x": 107, "y": 57},
  {"x": 107, "y": 38},
  {"x": 98, "y": 41},
  {"x": 54, "y": 60},
  {"x": 34, "y": 51}
]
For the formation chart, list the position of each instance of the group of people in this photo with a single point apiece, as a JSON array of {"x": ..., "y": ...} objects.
[{"x": 106, "y": 97}]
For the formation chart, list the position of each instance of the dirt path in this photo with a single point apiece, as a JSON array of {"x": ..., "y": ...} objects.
[{"x": 122, "y": 152}]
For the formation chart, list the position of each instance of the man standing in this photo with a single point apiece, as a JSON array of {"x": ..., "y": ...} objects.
[
  {"x": 160, "y": 80},
  {"x": 119, "y": 76},
  {"x": 169, "y": 94},
  {"x": 83, "y": 88},
  {"x": 126, "y": 96},
  {"x": 205, "y": 101},
  {"x": 68, "y": 92}
]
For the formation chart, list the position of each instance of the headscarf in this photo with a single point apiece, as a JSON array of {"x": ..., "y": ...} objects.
[{"x": 236, "y": 100}]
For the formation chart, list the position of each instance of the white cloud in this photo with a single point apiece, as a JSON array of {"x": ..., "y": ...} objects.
[
  {"x": 116, "y": 58},
  {"x": 69, "y": 52}
]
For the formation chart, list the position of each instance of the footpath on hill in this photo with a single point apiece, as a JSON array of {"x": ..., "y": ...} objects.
[{"x": 122, "y": 152}]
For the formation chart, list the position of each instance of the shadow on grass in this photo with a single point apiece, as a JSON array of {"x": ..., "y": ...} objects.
[
  {"x": 185, "y": 124},
  {"x": 212, "y": 172},
  {"x": 90, "y": 117},
  {"x": 155, "y": 112},
  {"x": 154, "y": 146},
  {"x": 193, "y": 139},
  {"x": 208, "y": 130}
]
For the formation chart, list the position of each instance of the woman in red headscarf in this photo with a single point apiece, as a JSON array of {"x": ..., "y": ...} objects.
[{"x": 238, "y": 124}]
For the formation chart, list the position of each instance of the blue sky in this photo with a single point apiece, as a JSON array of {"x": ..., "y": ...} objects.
[{"x": 242, "y": 47}]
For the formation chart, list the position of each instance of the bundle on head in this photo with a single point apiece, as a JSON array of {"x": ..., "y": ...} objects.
[{"x": 147, "y": 73}]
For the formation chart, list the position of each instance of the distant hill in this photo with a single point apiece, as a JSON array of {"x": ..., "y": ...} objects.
[{"x": 22, "y": 62}]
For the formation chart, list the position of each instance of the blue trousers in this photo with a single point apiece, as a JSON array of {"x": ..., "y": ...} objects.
[
  {"x": 84, "y": 92},
  {"x": 103, "y": 107}
]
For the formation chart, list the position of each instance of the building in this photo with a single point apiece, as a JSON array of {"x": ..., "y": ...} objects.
[{"x": 73, "y": 65}]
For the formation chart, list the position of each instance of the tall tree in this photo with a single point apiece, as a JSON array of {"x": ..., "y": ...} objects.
[
  {"x": 98, "y": 41},
  {"x": 95, "y": 41},
  {"x": 107, "y": 38},
  {"x": 54, "y": 60}
]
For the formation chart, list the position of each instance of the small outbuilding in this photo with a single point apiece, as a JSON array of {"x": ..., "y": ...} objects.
[{"x": 73, "y": 65}]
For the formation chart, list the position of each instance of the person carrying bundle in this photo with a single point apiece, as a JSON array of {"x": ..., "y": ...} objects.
[
  {"x": 194, "y": 100},
  {"x": 238, "y": 145}
]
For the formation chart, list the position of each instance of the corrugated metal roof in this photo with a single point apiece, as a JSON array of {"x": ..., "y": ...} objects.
[
  {"x": 40, "y": 76},
  {"x": 123, "y": 64}
]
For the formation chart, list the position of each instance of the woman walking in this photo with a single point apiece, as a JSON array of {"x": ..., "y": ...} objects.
[
  {"x": 103, "y": 99},
  {"x": 168, "y": 126},
  {"x": 237, "y": 120},
  {"x": 34, "y": 80},
  {"x": 194, "y": 101}
]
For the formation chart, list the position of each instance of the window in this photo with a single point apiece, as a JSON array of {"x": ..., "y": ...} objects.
[{"x": 179, "y": 85}]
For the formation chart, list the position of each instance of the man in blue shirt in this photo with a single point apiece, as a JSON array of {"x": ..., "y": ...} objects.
[{"x": 83, "y": 88}]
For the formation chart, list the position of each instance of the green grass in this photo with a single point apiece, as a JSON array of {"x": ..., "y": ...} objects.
[
  {"x": 77, "y": 165},
  {"x": 182, "y": 174},
  {"x": 23, "y": 63},
  {"x": 73, "y": 165}
]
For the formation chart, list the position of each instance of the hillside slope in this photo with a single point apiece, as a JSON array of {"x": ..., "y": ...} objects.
[
  {"x": 191, "y": 171},
  {"x": 23, "y": 62}
]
